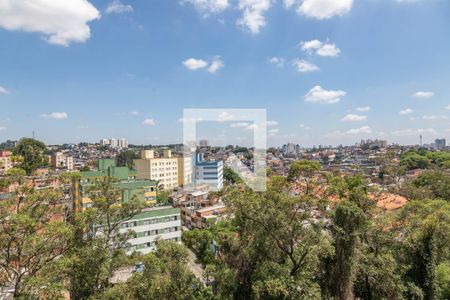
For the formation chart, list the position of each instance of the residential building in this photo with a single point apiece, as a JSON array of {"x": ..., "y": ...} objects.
[
  {"x": 113, "y": 143},
  {"x": 184, "y": 170},
  {"x": 439, "y": 144},
  {"x": 208, "y": 172},
  {"x": 104, "y": 142},
  {"x": 61, "y": 161},
  {"x": 122, "y": 143},
  {"x": 203, "y": 143},
  {"x": 151, "y": 225},
  {"x": 162, "y": 169},
  {"x": 126, "y": 183},
  {"x": 5, "y": 161}
]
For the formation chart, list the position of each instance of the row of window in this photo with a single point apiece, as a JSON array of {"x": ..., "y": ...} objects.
[
  {"x": 130, "y": 224},
  {"x": 159, "y": 231}
]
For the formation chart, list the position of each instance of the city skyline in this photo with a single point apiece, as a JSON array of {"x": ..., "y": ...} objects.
[{"x": 332, "y": 74}]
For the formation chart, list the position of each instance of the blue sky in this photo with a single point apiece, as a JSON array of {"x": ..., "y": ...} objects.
[{"x": 327, "y": 71}]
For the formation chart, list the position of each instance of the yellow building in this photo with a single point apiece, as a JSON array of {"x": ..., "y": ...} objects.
[{"x": 169, "y": 171}]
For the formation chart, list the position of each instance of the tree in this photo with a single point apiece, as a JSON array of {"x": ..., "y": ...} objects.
[
  {"x": 166, "y": 275},
  {"x": 101, "y": 250},
  {"x": 414, "y": 160},
  {"x": 33, "y": 234},
  {"x": 32, "y": 151},
  {"x": 230, "y": 176},
  {"x": 125, "y": 159}
]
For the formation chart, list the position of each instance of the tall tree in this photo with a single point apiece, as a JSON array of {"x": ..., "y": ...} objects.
[
  {"x": 33, "y": 154},
  {"x": 125, "y": 158}
]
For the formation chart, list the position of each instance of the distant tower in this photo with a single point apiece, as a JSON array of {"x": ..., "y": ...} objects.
[
  {"x": 34, "y": 135},
  {"x": 420, "y": 140}
]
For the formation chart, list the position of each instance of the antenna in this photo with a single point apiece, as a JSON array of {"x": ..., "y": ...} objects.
[
  {"x": 420, "y": 140},
  {"x": 34, "y": 135}
]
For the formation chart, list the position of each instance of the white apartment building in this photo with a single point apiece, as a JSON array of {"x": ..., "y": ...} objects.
[
  {"x": 163, "y": 169},
  {"x": 61, "y": 161}
]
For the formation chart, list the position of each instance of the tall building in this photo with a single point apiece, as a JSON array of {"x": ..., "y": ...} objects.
[
  {"x": 185, "y": 172},
  {"x": 113, "y": 143},
  {"x": 122, "y": 143},
  {"x": 104, "y": 142},
  {"x": 208, "y": 172},
  {"x": 5, "y": 161},
  {"x": 203, "y": 143},
  {"x": 439, "y": 144},
  {"x": 163, "y": 169}
]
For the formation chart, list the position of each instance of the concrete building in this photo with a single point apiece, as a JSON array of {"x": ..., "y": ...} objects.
[
  {"x": 60, "y": 161},
  {"x": 104, "y": 142},
  {"x": 5, "y": 161},
  {"x": 152, "y": 224},
  {"x": 185, "y": 172},
  {"x": 208, "y": 172},
  {"x": 113, "y": 143},
  {"x": 439, "y": 144},
  {"x": 122, "y": 143},
  {"x": 163, "y": 169},
  {"x": 126, "y": 183}
]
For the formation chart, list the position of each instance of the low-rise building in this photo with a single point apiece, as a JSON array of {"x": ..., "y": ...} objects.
[
  {"x": 151, "y": 225},
  {"x": 162, "y": 169},
  {"x": 208, "y": 172}
]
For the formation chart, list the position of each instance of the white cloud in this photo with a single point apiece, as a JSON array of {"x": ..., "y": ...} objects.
[
  {"x": 117, "y": 7},
  {"x": 134, "y": 113},
  {"x": 434, "y": 117},
  {"x": 320, "y": 48},
  {"x": 215, "y": 65},
  {"x": 319, "y": 95},
  {"x": 56, "y": 115},
  {"x": 2, "y": 128},
  {"x": 363, "y": 108},
  {"x": 239, "y": 125},
  {"x": 304, "y": 126},
  {"x": 304, "y": 66},
  {"x": 277, "y": 61},
  {"x": 271, "y": 123},
  {"x": 423, "y": 95},
  {"x": 4, "y": 90},
  {"x": 252, "y": 127},
  {"x": 353, "y": 118},
  {"x": 225, "y": 116},
  {"x": 253, "y": 14},
  {"x": 273, "y": 132},
  {"x": 189, "y": 120},
  {"x": 406, "y": 111},
  {"x": 361, "y": 130},
  {"x": 324, "y": 9},
  {"x": 447, "y": 107},
  {"x": 61, "y": 22},
  {"x": 195, "y": 64},
  {"x": 412, "y": 132},
  {"x": 149, "y": 122},
  {"x": 207, "y": 7},
  {"x": 289, "y": 3}
]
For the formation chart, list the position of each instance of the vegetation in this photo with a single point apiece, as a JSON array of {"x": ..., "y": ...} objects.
[
  {"x": 125, "y": 158},
  {"x": 328, "y": 240},
  {"x": 33, "y": 154}
]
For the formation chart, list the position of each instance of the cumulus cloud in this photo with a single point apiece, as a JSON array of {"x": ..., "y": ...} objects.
[
  {"x": 189, "y": 120},
  {"x": 2, "y": 128},
  {"x": 434, "y": 117},
  {"x": 60, "y": 22},
  {"x": 406, "y": 111},
  {"x": 363, "y": 108},
  {"x": 447, "y": 107},
  {"x": 320, "y": 48},
  {"x": 117, "y": 7},
  {"x": 273, "y": 131},
  {"x": 225, "y": 116},
  {"x": 195, "y": 64},
  {"x": 361, "y": 130},
  {"x": 319, "y": 95},
  {"x": 4, "y": 91},
  {"x": 216, "y": 65},
  {"x": 353, "y": 118},
  {"x": 253, "y": 14},
  {"x": 423, "y": 95},
  {"x": 207, "y": 7},
  {"x": 271, "y": 123},
  {"x": 277, "y": 61},
  {"x": 239, "y": 125},
  {"x": 304, "y": 66},
  {"x": 252, "y": 127},
  {"x": 134, "y": 113},
  {"x": 323, "y": 9},
  {"x": 56, "y": 115},
  {"x": 149, "y": 122}
]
